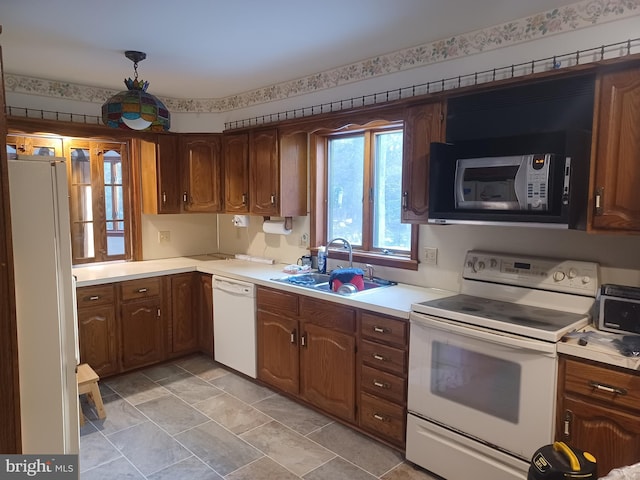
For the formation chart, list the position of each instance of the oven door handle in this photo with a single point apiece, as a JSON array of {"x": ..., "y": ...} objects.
[{"x": 477, "y": 333}]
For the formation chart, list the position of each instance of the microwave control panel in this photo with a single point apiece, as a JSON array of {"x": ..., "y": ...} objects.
[{"x": 567, "y": 276}]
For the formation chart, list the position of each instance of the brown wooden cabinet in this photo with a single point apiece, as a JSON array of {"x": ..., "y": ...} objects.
[
  {"x": 33, "y": 145},
  {"x": 142, "y": 325},
  {"x": 297, "y": 335},
  {"x": 383, "y": 367},
  {"x": 201, "y": 159},
  {"x": 615, "y": 202},
  {"x": 236, "y": 172},
  {"x": 98, "y": 329},
  {"x": 278, "y": 168},
  {"x": 599, "y": 411},
  {"x": 204, "y": 312},
  {"x": 184, "y": 325},
  {"x": 423, "y": 124},
  {"x": 160, "y": 175}
]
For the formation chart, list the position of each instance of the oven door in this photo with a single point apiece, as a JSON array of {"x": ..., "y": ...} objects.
[{"x": 494, "y": 387}]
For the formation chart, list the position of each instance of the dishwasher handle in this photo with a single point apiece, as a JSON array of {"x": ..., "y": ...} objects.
[{"x": 233, "y": 287}]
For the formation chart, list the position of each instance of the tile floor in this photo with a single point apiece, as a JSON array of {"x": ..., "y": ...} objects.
[{"x": 192, "y": 419}]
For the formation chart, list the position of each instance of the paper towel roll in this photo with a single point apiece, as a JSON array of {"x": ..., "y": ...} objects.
[{"x": 275, "y": 226}]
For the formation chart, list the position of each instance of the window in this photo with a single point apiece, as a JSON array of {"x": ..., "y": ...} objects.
[
  {"x": 98, "y": 201},
  {"x": 363, "y": 192}
]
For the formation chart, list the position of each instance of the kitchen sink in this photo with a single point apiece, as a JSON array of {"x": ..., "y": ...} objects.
[{"x": 320, "y": 281}]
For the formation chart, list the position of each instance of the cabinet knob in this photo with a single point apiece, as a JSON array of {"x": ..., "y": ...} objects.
[
  {"x": 244, "y": 199},
  {"x": 94, "y": 298},
  {"x": 185, "y": 197},
  {"x": 380, "y": 417},
  {"x": 293, "y": 336},
  {"x": 598, "y": 200},
  {"x": 379, "y": 330},
  {"x": 164, "y": 197},
  {"x": 379, "y": 384},
  {"x": 405, "y": 200},
  {"x": 273, "y": 199},
  {"x": 142, "y": 290},
  {"x": 378, "y": 357},
  {"x": 608, "y": 388}
]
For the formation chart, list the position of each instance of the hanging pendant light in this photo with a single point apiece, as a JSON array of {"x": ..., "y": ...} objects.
[{"x": 134, "y": 108}]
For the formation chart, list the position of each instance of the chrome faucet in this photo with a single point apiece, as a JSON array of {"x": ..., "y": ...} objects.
[
  {"x": 346, "y": 244},
  {"x": 369, "y": 269}
]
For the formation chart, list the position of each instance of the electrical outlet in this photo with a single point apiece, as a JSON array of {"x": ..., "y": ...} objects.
[
  {"x": 430, "y": 255},
  {"x": 164, "y": 236},
  {"x": 304, "y": 239}
]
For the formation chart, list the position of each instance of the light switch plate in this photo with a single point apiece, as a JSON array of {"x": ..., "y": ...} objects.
[{"x": 431, "y": 255}]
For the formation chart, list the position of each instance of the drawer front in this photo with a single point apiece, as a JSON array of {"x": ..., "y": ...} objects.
[
  {"x": 142, "y": 288},
  {"x": 277, "y": 301},
  {"x": 383, "y": 384},
  {"x": 328, "y": 314},
  {"x": 383, "y": 329},
  {"x": 610, "y": 386},
  {"x": 384, "y": 418},
  {"x": 384, "y": 357},
  {"x": 96, "y": 295}
]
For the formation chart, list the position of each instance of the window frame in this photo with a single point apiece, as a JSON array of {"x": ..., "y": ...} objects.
[{"x": 319, "y": 151}]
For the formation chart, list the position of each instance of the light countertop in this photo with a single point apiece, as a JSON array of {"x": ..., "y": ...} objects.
[
  {"x": 395, "y": 301},
  {"x": 599, "y": 351}
]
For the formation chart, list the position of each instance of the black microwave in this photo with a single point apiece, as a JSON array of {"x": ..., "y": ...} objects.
[{"x": 539, "y": 180}]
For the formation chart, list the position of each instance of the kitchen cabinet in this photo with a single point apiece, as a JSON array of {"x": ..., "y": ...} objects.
[
  {"x": 184, "y": 324},
  {"x": 160, "y": 178},
  {"x": 33, "y": 145},
  {"x": 278, "y": 169},
  {"x": 143, "y": 330},
  {"x": 236, "y": 172},
  {"x": 296, "y": 335},
  {"x": 204, "y": 312},
  {"x": 383, "y": 368},
  {"x": 615, "y": 205},
  {"x": 98, "y": 329},
  {"x": 598, "y": 411},
  {"x": 201, "y": 159},
  {"x": 423, "y": 124}
]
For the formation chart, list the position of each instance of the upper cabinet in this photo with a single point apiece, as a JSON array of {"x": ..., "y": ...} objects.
[
  {"x": 160, "y": 175},
  {"x": 278, "y": 168},
  {"x": 181, "y": 173},
  {"x": 266, "y": 172},
  {"x": 423, "y": 125},
  {"x": 201, "y": 159},
  {"x": 615, "y": 196},
  {"x": 236, "y": 172},
  {"x": 26, "y": 145}
]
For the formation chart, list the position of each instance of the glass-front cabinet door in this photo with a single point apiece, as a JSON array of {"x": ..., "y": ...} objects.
[
  {"x": 97, "y": 200},
  {"x": 28, "y": 145}
]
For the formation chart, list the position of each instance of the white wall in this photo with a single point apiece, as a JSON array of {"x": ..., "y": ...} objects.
[{"x": 193, "y": 234}]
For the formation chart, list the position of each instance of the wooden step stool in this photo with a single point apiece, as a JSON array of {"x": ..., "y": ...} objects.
[{"x": 88, "y": 383}]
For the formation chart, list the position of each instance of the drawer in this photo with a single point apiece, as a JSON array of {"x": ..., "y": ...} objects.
[
  {"x": 142, "y": 288},
  {"x": 277, "y": 301},
  {"x": 383, "y": 418},
  {"x": 383, "y": 384},
  {"x": 384, "y": 357},
  {"x": 96, "y": 295},
  {"x": 384, "y": 329},
  {"x": 328, "y": 314},
  {"x": 610, "y": 386}
]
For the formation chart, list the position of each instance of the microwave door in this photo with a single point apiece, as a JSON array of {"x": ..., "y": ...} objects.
[
  {"x": 487, "y": 183},
  {"x": 520, "y": 184}
]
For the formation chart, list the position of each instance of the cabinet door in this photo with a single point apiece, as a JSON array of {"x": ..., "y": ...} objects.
[
  {"x": 142, "y": 333},
  {"x": 293, "y": 152},
  {"x": 612, "y": 436},
  {"x": 278, "y": 351},
  {"x": 205, "y": 308},
  {"x": 327, "y": 370},
  {"x": 98, "y": 339},
  {"x": 265, "y": 172},
  {"x": 184, "y": 325},
  {"x": 168, "y": 172},
  {"x": 202, "y": 173},
  {"x": 423, "y": 125},
  {"x": 236, "y": 173},
  {"x": 616, "y": 204},
  {"x": 19, "y": 145}
]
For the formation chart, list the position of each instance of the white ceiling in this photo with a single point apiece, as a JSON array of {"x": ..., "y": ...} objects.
[{"x": 217, "y": 48}]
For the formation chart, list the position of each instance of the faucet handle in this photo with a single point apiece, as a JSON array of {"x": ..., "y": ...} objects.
[{"x": 369, "y": 269}]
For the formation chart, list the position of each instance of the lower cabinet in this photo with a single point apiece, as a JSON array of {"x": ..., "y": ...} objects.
[
  {"x": 184, "y": 324},
  {"x": 599, "y": 411},
  {"x": 142, "y": 325},
  {"x": 98, "y": 329},
  {"x": 350, "y": 363},
  {"x": 205, "y": 314}
]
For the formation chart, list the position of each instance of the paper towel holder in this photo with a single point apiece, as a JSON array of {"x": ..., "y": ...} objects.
[{"x": 288, "y": 222}]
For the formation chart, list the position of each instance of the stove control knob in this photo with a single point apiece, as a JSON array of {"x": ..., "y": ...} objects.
[
  {"x": 480, "y": 266},
  {"x": 558, "y": 276},
  {"x": 586, "y": 279},
  {"x": 493, "y": 263},
  {"x": 470, "y": 264},
  {"x": 572, "y": 273}
]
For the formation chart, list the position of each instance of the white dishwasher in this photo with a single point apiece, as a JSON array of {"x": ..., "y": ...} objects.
[{"x": 234, "y": 324}]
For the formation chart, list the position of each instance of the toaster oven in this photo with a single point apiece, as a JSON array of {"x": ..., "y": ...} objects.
[{"x": 619, "y": 310}]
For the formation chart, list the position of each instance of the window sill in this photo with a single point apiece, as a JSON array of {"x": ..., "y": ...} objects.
[{"x": 395, "y": 261}]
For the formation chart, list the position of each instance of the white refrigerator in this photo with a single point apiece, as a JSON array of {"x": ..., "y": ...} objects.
[{"x": 45, "y": 305}]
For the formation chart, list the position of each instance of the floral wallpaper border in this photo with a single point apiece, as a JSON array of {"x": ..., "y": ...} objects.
[{"x": 578, "y": 15}]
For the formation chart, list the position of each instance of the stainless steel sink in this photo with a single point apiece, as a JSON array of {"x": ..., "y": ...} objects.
[{"x": 320, "y": 281}]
